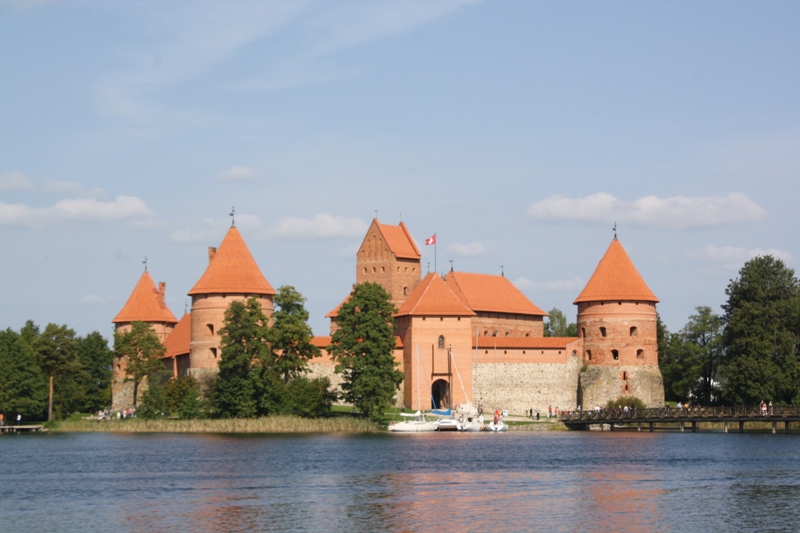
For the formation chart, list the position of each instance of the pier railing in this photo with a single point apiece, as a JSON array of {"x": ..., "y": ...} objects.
[{"x": 686, "y": 413}]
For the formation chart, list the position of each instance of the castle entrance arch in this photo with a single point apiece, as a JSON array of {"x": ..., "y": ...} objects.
[{"x": 440, "y": 394}]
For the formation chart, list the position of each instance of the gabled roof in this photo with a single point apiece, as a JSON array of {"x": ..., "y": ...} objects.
[
  {"x": 177, "y": 343},
  {"x": 399, "y": 240},
  {"x": 335, "y": 311},
  {"x": 615, "y": 278},
  {"x": 433, "y": 297},
  {"x": 145, "y": 304},
  {"x": 485, "y": 292},
  {"x": 232, "y": 270},
  {"x": 323, "y": 342}
]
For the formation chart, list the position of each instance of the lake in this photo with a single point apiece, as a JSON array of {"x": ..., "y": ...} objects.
[{"x": 517, "y": 481}]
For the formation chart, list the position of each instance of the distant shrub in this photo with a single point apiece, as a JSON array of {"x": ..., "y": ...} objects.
[{"x": 630, "y": 401}]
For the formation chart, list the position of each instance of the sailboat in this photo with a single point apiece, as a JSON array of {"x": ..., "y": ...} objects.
[
  {"x": 469, "y": 419},
  {"x": 497, "y": 423},
  {"x": 416, "y": 422}
]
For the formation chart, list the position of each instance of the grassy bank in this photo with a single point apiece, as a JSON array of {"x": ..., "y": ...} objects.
[{"x": 272, "y": 424}]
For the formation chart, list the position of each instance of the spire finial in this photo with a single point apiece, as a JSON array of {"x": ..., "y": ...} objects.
[
  {"x": 145, "y": 263},
  {"x": 502, "y": 272},
  {"x": 615, "y": 231},
  {"x": 376, "y": 214},
  {"x": 429, "y": 267},
  {"x": 451, "y": 265},
  {"x": 233, "y": 220},
  {"x": 185, "y": 307}
]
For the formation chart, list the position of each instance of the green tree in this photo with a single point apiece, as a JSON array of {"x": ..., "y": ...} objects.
[
  {"x": 56, "y": 353},
  {"x": 183, "y": 397},
  {"x": 243, "y": 345},
  {"x": 760, "y": 337},
  {"x": 154, "y": 401},
  {"x": 142, "y": 350},
  {"x": 363, "y": 349},
  {"x": 557, "y": 325},
  {"x": 309, "y": 398},
  {"x": 96, "y": 359},
  {"x": 290, "y": 335},
  {"x": 23, "y": 385}
]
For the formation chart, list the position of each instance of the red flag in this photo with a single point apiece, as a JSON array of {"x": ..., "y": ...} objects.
[{"x": 431, "y": 240}]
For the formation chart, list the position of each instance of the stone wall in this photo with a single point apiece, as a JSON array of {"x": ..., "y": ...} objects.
[
  {"x": 599, "y": 384},
  {"x": 326, "y": 370},
  {"x": 518, "y": 387}
]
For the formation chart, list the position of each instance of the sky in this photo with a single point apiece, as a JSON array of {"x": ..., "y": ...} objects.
[{"x": 518, "y": 132}]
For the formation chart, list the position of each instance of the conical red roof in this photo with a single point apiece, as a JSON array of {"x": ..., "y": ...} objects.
[
  {"x": 615, "y": 278},
  {"x": 232, "y": 270},
  {"x": 145, "y": 305},
  {"x": 433, "y": 297}
]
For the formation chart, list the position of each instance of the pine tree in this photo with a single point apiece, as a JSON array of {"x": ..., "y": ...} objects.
[
  {"x": 56, "y": 352},
  {"x": 363, "y": 348},
  {"x": 96, "y": 359},
  {"x": 23, "y": 385},
  {"x": 290, "y": 335}
]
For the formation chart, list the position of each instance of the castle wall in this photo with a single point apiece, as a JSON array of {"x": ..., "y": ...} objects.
[
  {"x": 324, "y": 367},
  {"x": 520, "y": 386},
  {"x": 599, "y": 384},
  {"x": 508, "y": 325}
]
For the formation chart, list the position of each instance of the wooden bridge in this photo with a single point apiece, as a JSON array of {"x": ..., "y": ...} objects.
[
  {"x": 677, "y": 419},
  {"x": 20, "y": 429}
]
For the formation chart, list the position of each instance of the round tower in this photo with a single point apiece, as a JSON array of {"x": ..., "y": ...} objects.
[
  {"x": 232, "y": 275},
  {"x": 617, "y": 323}
]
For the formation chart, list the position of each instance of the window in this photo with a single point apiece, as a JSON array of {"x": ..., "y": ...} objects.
[
  {"x": 627, "y": 388},
  {"x": 615, "y": 354},
  {"x": 589, "y": 355},
  {"x": 373, "y": 270},
  {"x": 210, "y": 328},
  {"x": 634, "y": 331},
  {"x": 506, "y": 334},
  {"x": 405, "y": 291},
  {"x": 383, "y": 269},
  {"x": 603, "y": 332},
  {"x": 640, "y": 354},
  {"x": 583, "y": 332},
  {"x": 214, "y": 352},
  {"x": 441, "y": 319},
  {"x": 625, "y": 376},
  {"x": 441, "y": 341},
  {"x": 365, "y": 270},
  {"x": 485, "y": 333}
]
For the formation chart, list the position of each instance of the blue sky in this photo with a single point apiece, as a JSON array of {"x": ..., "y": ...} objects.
[{"x": 519, "y": 132}]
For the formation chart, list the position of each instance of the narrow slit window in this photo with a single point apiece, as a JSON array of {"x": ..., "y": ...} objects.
[
  {"x": 441, "y": 341},
  {"x": 603, "y": 332},
  {"x": 615, "y": 354},
  {"x": 634, "y": 331}
]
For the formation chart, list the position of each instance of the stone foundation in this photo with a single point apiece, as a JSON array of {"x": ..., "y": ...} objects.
[
  {"x": 519, "y": 387},
  {"x": 599, "y": 384}
]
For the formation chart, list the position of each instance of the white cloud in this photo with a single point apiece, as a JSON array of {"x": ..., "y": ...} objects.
[
  {"x": 574, "y": 284},
  {"x": 321, "y": 226},
  {"x": 675, "y": 212},
  {"x": 15, "y": 181},
  {"x": 72, "y": 188},
  {"x": 92, "y": 299},
  {"x": 75, "y": 211},
  {"x": 468, "y": 250},
  {"x": 237, "y": 173},
  {"x": 732, "y": 258}
]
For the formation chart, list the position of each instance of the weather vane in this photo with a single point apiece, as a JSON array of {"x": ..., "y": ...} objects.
[
  {"x": 233, "y": 220},
  {"x": 451, "y": 265},
  {"x": 615, "y": 230},
  {"x": 145, "y": 263},
  {"x": 502, "y": 272}
]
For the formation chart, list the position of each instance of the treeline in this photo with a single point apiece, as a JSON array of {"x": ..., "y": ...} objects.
[
  {"x": 747, "y": 354},
  {"x": 262, "y": 368},
  {"x": 52, "y": 373}
]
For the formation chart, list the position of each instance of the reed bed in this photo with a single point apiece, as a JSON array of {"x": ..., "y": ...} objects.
[{"x": 271, "y": 424}]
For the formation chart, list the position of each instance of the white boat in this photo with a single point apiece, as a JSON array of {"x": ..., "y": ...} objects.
[
  {"x": 497, "y": 423},
  {"x": 473, "y": 423},
  {"x": 416, "y": 423},
  {"x": 449, "y": 424}
]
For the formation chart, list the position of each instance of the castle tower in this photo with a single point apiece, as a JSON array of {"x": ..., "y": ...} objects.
[
  {"x": 232, "y": 274},
  {"x": 145, "y": 304},
  {"x": 436, "y": 323},
  {"x": 389, "y": 257},
  {"x": 617, "y": 322}
]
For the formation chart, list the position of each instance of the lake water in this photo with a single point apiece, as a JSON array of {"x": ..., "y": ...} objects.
[{"x": 518, "y": 481}]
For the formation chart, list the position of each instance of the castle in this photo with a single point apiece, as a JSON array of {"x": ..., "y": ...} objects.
[{"x": 458, "y": 338}]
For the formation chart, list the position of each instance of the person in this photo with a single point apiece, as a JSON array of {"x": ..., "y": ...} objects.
[
  {"x": 537, "y": 414},
  {"x": 496, "y": 416},
  {"x": 549, "y": 411},
  {"x": 763, "y": 408},
  {"x": 771, "y": 412},
  {"x": 2, "y": 420},
  {"x": 19, "y": 419}
]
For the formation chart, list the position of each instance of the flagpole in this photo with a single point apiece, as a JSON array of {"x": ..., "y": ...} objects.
[{"x": 435, "y": 267}]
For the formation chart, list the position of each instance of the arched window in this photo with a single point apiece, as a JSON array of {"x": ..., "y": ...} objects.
[
  {"x": 583, "y": 332},
  {"x": 634, "y": 331},
  {"x": 210, "y": 328},
  {"x": 405, "y": 291},
  {"x": 589, "y": 355},
  {"x": 625, "y": 376},
  {"x": 214, "y": 352},
  {"x": 441, "y": 341},
  {"x": 603, "y": 331},
  {"x": 640, "y": 354},
  {"x": 615, "y": 354}
]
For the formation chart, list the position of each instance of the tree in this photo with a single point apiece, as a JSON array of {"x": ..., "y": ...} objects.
[
  {"x": 363, "y": 349},
  {"x": 183, "y": 397},
  {"x": 243, "y": 344},
  {"x": 290, "y": 335},
  {"x": 23, "y": 385},
  {"x": 56, "y": 352},
  {"x": 96, "y": 359},
  {"x": 143, "y": 352},
  {"x": 760, "y": 337},
  {"x": 558, "y": 326}
]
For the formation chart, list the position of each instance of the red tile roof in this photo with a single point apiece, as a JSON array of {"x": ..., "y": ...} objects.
[
  {"x": 399, "y": 240},
  {"x": 616, "y": 278},
  {"x": 177, "y": 343},
  {"x": 433, "y": 297},
  {"x": 533, "y": 343},
  {"x": 335, "y": 312},
  {"x": 488, "y": 293},
  {"x": 232, "y": 270},
  {"x": 144, "y": 304}
]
